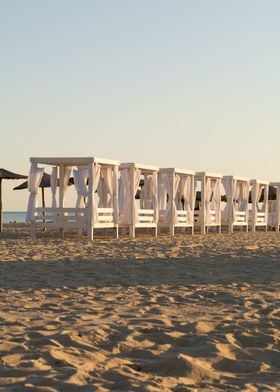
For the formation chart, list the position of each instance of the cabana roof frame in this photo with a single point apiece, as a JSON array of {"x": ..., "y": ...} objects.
[
  {"x": 176, "y": 171},
  {"x": 237, "y": 178},
  {"x": 73, "y": 161},
  {"x": 208, "y": 174},
  {"x": 144, "y": 168}
]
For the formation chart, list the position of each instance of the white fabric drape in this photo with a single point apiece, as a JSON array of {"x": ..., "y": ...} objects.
[
  {"x": 115, "y": 195},
  {"x": 34, "y": 180},
  {"x": 96, "y": 178},
  {"x": 227, "y": 185},
  {"x": 244, "y": 196},
  {"x": 137, "y": 175},
  {"x": 154, "y": 195},
  {"x": 67, "y": 173},
  {"x": 148, "y": 184},
  {"x": 260, "y": 208},
  {"x": 187, "y": 194},
  {"x": 216, "y": 201},
  {"x": 54, "y": 186},
  {"x": 213, "y": 198},
  {"x": 208, "y": 196},
  {"x": 125, "y": 197},
  {"x": 80, "y": 181},
  {"x": 236, "y": 192},
  {"x": 162, "y": 193},
  {"x": 256, "y": 195},
  {"x": 108, "y": 176},
  {"x": 102, "y": 192},
  {"x": 172, "y": 185}
]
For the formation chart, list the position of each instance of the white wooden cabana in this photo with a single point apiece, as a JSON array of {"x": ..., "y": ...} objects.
[
  {"x": 94, "y": 179},
  {"x": 176, "y": 198},
  {"x": 236, "y": 212},
  {"x": 208, "y": 213},
  {"x": 141, "y": 213},
  {"x": 274, "y": 206},
  {"x": 258, "y": 215}
]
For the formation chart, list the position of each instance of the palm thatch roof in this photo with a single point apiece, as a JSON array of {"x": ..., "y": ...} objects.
[{"x": 6, "y": 175}]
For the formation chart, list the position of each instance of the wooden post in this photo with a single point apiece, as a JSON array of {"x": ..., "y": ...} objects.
[
  {"x": 232, "y": 207},
  {"x": 1, "y": 216},
  {"x": 171, "y": 224},
  {"x": 132, "y": 223},
  {"x": 43, "y": 206},
  {"x": 192, "y": 199},
  {"x": 220, "y": 209},
  {"x": 277, "y": 207},
  {"x": 90, "y": 207},
  {"x": 203, "y": 201},
  {"x": 254, "y": 212},
  {"x": 116, "y": 199},
  {"x": 61, "y": 200}
]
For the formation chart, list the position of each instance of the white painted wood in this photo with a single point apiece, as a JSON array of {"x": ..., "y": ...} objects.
[
  {"x": 181, "y": 214},
  {"x": 257, "y": 218},
  {"x": 236, "y": 218},
  {"x": 145, "y": 216},
  {"x": 200, "y": 215},
  {"x": 81, "y": 219}
]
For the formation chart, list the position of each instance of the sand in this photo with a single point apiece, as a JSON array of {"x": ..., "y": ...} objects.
[{"x": 167, "y": 314}]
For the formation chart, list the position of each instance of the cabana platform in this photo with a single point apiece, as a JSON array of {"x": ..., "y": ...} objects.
[
  {"x": 91, "y": 175},
  {"x": 208, "y": 213},
  {"x": 258, "y": 215},
  {"x": 236, "y": 211},
  {"x": 176, "y": 199},
  {"x": 141, "y": 213},
  {"x": 274, "y": 207}
]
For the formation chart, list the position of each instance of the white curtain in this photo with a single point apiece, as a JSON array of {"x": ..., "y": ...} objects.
[
  {"x": 101, "y": 191},
  {"x": 108, "y": 176},
  {"x": 54, "y": 186},
  {"x": 216, "y": 201},
  {"x": 154, "y": 195},
  {"x": 187, "y": 193},
  {"x": 261, "y": 208},
  {"x": 236, "y": 192},
  {"x": 34, "y": 180},
  {"x": 244, "y": 196},
  {"x": 162, "y": 194},
  {"x": 125, "y": 197},
  {"x": 67, "y": 173},
  {"x": 96, "y": 178},
  {"x": 256, "y": 195},
  {"x": 137, "y": 175},
  {"x": 213, "y": 198},
  {"x": 115, "y": 195},
  {"x": 80, "y": 181},
  {"x": 148, "y": 194},
  {"x": 208, "y": 196},
  {"x": 227, "y": 185},
  {"x": 171, "y": 209}
]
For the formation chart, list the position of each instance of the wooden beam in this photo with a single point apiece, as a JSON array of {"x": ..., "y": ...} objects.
[{"x": 1, "y": 216}]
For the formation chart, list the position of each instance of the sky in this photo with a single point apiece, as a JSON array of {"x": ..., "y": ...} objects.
[{"x": 191, "y": 84}]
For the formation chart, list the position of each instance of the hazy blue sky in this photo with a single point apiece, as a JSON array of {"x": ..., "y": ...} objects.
[{"x": 187, "y": 83}]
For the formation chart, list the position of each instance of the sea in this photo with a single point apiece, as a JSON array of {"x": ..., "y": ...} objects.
[{"x": 14, "y": 216}]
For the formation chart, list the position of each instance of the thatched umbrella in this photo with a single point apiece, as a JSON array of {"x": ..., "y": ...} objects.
[{"x": 6, "y": 175}]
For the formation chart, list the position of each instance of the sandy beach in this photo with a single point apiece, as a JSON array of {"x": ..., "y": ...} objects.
[{"x": 188, "y": 313}]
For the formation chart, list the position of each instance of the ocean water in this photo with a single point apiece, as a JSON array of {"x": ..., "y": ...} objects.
[{"x": 14, "y": 216}]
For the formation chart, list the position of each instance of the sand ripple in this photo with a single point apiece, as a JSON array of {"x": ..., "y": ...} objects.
[{"x": 172, "y": 314}]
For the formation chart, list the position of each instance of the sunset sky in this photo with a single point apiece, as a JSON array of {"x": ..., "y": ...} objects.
[{"x": 183, "y": 83}]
